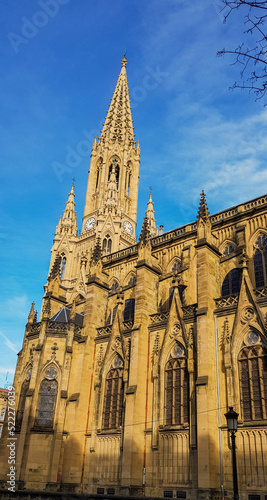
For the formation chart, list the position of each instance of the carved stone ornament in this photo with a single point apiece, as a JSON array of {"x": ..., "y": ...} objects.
[
  {"x": 175, "y": 330},
  {"x": 51, "y": 373},
  {"x": 247, "y": 314}
]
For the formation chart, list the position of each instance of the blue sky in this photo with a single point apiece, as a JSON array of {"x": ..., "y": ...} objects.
[{"x": 59, "y": 70}]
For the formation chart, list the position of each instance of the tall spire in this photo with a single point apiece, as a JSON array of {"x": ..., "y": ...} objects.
[
  {"x": 150, "y": 215},
  {"x": 118, "y": 122},
  {"x": 68, "y": 223},
  {"x": 203, "y": 212}
]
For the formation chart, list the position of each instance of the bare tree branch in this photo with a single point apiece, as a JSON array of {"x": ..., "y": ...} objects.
[{"x": 251, "y": 54}]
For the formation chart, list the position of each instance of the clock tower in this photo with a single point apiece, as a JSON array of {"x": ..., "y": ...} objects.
[{"x": 111, "y": 198}]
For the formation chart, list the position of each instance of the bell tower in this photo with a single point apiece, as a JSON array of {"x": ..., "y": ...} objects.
[{"x": 112, "y": 190}]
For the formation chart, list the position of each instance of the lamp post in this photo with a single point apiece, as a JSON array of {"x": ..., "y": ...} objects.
[{"x": 231, "y": 417}]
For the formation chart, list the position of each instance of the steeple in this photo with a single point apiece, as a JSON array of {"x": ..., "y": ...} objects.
[
  {"x": 111, "y": 200},
  {"x": 68, "y": 223},
  {"x": 118, "y": 122},
  {"x": 150, "y": 215}
]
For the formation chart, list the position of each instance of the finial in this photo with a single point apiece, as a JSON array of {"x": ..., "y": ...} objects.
[
  {"x": 73, "y": 180},
  {"x": 203, "y": 212},
  {"x": 124, "y": 60},
  {"x": 150, "y": 187}
]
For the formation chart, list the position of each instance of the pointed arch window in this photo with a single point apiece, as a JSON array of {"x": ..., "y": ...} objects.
[
  {"x": 62, "y": 266},
  {"x": 260, "y": 261},
  {"x": 252, "y": 362},
  {"x": 107, "y": 244},
  {"x": 231, "y": 282},
  {"x": 128, "y": 314},
  {"x": 176, "y": 388},
  {"x": 22, "y": 400},
  {"x": 115, "y": 286},
  {"x": 113, "y": 399},
  {"x": 47, "y": 399}
]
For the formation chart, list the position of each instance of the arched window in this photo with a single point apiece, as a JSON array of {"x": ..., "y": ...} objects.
[
  {"x": 260, "y": 261},
  {"x": 231, "y": 282},
  {"x": 228, "y": 250},
  {"x": 62, "y": 266},
  {"x": 107, "y": 244},
  {"x": 132, "y": 280},
  {"x": 252, "y": 362},
  {"x": 47, "y": 399},
  {"x": 114, "y": 286},
  {"x": 22, "y": 399},
  {"x": 176, "y": 266},
  {"x": 113, "y": 400},
  {"x": 176, "y": 388},
  {"x": 128, "y": 313}
]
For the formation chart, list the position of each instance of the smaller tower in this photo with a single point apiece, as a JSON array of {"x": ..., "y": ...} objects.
[
  {"x": 68, "y": 223},
  {"x": 150, "y": 215}
]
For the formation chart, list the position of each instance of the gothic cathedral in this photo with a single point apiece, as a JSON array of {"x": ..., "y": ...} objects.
[{"x": 123, "y": 383}]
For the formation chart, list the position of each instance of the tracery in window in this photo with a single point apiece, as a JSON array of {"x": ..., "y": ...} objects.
[
  {"x": 228, "y": 250},
  {"x": 231, "y": 282},
  {"x": 113, "y": 399},
  {"x": 132, "y": 280},
  {"x": 252, "y": 362},
  {"x": 114, "y": 286},
  {"x": 176, "y": 388},
  {"x": 47, "y": 399},
  {"x": 22, "y": 399},
  {"x": 176, "y": 266},
  {"x": 107, "y": 244},
  {"x": 260, "y": 261}
]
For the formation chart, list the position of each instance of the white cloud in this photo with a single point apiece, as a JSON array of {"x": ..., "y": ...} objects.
[
  {"x": 9, "y": 344},
  {"x": 18, "y": 305}
]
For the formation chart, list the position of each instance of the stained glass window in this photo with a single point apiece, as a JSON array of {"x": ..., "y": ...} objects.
[
  {"x": 260, "y": 261},
  {"x": 231, "y": 283},
  {"x": 176, "y": 389},
  {"x": 22, "y": 401},
  {"x": 113, "y": 400},
  {"x": 48, "y": 394},
  {"x": 129, "y": 310},
  {"x": 253, "y": 382}
]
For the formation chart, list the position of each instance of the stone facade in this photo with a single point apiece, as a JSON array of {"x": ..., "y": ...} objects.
[{"x": 141, "y": 347}]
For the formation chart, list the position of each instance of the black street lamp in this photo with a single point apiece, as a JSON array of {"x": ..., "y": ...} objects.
[{"x": 231, "y": 417}]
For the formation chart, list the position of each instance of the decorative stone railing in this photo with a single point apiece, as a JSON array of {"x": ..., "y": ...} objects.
[
  {"x": 104, "y": 330},
  {"x": 226, "y": 214},
  {"x": 189, "y": 310},
  {"x": 261, "y": 293},
  {"x": 159, "y": 317},
  {"x": 128, "y": 325},
  {"x": 35, "y": 328},
  {"x": 120, "y": 255},
  {"x": 222, "y": 302},
  {"x": 57, "y": 326},
  {"x": 78, "y": 330}
]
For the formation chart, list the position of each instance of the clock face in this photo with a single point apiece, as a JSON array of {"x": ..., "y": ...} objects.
[
  {"x": 128, "y": 228},
  {"x": 89, "y": 224}
]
